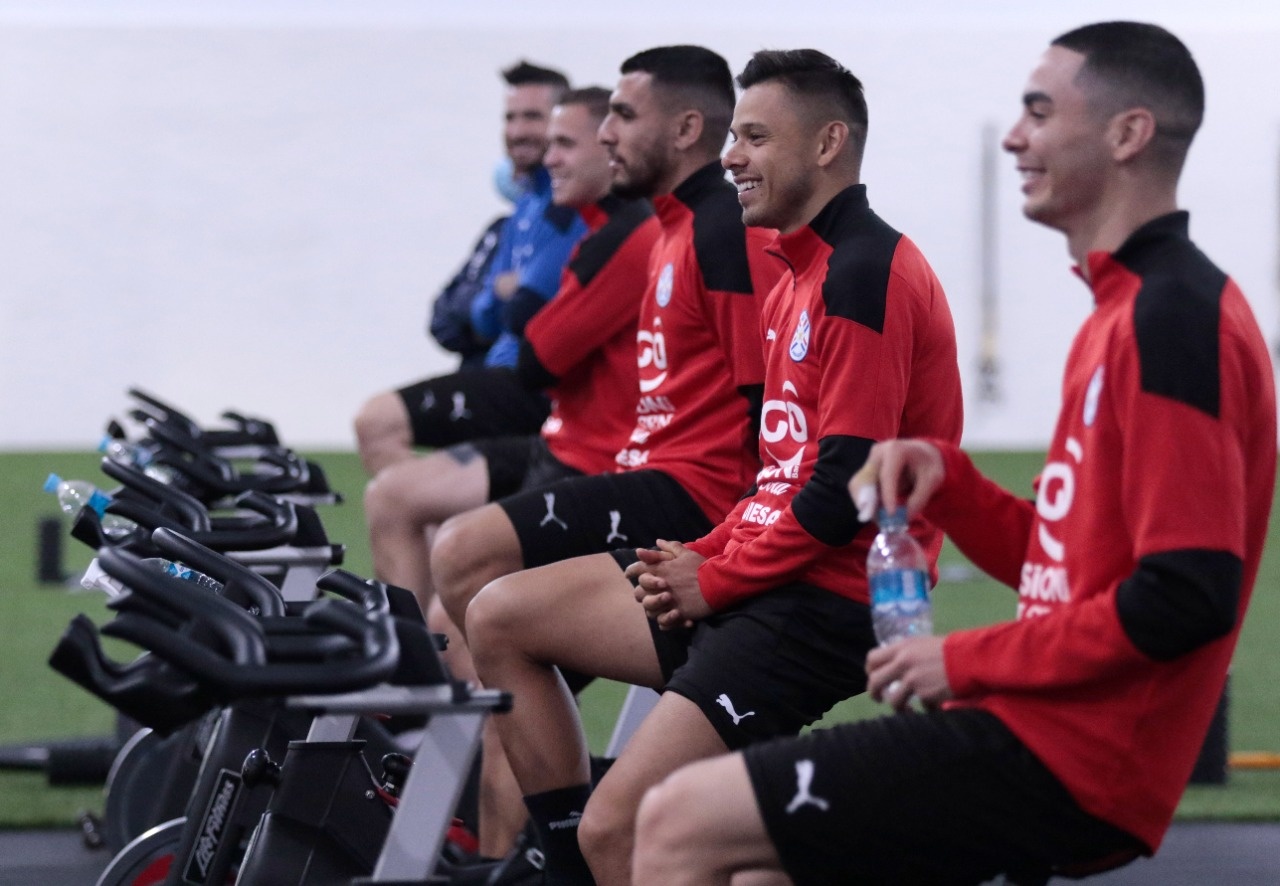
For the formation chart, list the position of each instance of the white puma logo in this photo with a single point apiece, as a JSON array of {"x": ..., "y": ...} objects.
[
  {"x": 460, "y": 410},
  {"x": 724, "y": 702},
  {"x": 615, "y": 518},
  {"x": 550, "y": 499},
  {"x": 804, "y": 778},
  {"x": 771, "y": 336}
]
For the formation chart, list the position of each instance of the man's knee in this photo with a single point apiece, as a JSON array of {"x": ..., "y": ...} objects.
[
  {"x": 383, "y": 420},
  {"x": 606, "y": 830},
  {"x": 379, "y": 502},
  {"x": 398, "y": 495},
  {"x": 494, "y": 621},
  {"x": 469, "y": 551},
  {"x": 656, "y": 818}
]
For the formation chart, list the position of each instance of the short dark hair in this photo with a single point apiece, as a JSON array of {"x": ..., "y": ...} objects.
[
  {"x": 1142, "y": 65},
  {"x": 594, "y": 98},
  {"x": 816, "y": 76},
  {"x": 696, "y": 75},
  {"x": 524, "y": 73}
]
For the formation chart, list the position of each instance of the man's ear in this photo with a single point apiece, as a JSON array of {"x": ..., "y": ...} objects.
[
  {"x": 688, "y": 129},
  {"x": 833, "y": 142},
  {"x": 1129, "y": 133}
]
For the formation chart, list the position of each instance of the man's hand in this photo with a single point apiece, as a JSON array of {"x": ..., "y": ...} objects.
[
  {"x": 897, "y": 470},
  {"x": 910, "y": 668},
  {"x": 506, "y": 284},
  {"x": 668, "y": 585}
]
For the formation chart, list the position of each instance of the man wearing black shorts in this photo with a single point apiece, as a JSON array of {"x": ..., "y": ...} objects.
[
  {"x": 690, "y": 452},
  {"x": 531, "y": 252},
  {"x": 757, "y": 627},
  {"x": 1061, "y": 742},
  {"x": 580, "y": 349}
]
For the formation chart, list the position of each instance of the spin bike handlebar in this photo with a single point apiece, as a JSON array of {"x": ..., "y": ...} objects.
[
  {"x": 239, "y": 662},
  {"x": 248, "y": 431},
  {"x": 273, "y": 523},
  {"x": 286, "y": 471}
]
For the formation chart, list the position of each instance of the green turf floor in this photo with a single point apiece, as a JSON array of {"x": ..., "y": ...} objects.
[{"x": 37, "y": 704}]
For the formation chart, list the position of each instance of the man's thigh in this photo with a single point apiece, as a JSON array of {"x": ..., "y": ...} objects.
[
  {"x": 702, "y": 823},
  {"x": 598, "y": 513},
  {"x": 464, "y": 406},
  {"x": 770, "y": 665},
  {"x": 937, "y": 798}
]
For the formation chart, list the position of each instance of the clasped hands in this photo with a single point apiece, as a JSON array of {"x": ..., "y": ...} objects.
[
  {"x": 667, "y": 578},
  {"x": 667, "y": 584}
]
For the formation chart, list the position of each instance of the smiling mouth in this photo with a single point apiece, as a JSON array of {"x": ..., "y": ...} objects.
[{"x": 746, "y": 186}]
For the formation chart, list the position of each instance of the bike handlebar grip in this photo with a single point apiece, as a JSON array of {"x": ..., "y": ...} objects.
[
  {"x": 161, "y": 411},
  {"x": 188, "y": 509},
  {"x": 252, "y": 429},
  {"x": 294, "y": 473},
  {"x": 229, "y": 680},
  {"x": 211, "y": 667},
  {"x": 145, "y": 689},
  {"x": 239, "y": 632},
  {"x": 283, "y": 516},
  {"x": 371, "y": 596},
  {"x": 238, "y": 580}
]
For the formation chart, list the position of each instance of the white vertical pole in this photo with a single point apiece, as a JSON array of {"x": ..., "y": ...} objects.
[{"x": 988, "y": 294}]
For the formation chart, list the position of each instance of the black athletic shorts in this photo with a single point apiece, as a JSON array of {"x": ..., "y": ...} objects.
[
  {"x": 470, "y": 405},
  {"x": 770, "y": 665},
  {"x": 947, "y": 797},
  {"x": 593, "y": 514},
  {"x": 514, "y": 463}
]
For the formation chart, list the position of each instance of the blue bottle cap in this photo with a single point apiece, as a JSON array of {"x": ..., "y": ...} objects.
[
  {"x": 99, "y": 502},
  {"x": 892, "y": 519}
]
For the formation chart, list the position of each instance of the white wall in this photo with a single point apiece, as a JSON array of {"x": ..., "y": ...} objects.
[{"x": 249, "y": 204}]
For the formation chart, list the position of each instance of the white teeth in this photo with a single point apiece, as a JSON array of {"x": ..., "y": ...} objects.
[{"x": 746, "y": 186}]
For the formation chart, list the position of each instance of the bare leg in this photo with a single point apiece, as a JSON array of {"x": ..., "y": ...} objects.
[
  {"x": 675, "y": 732},
  {"x": 471, "y": 550},
  {"x": 579, "y": 613},
  {"x": 383, "y": 434},
  {"x": 502, "y": 814},
  {"x": 702, "y": 826},
  {"x": 407, "y": 500}
]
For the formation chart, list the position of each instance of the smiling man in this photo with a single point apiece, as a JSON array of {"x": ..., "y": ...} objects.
[
  {"x": 687, "y": 460},
  {"x": 760, "y": 626},
  {"x": 1058, "y": 743},
  {"x": 524, "y": 273}
]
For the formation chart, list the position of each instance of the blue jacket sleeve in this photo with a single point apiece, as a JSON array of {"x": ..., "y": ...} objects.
[{"x": 486, "y": 309}]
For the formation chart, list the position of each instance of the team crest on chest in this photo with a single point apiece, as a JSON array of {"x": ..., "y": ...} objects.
[
  {"x": 665, "y": 281},
  {"x": 800, "y": 341},
  {"x": 1091, "y": 395}
]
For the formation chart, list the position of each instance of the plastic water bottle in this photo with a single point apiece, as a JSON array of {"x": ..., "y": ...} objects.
[
  {"x": 127, "y": 452},
  {"x": 95, "y": 579},
  {"x": 186, "y": 573},
  {"x": 898, "y": 572},
  {"x": 73, "y": 495}
]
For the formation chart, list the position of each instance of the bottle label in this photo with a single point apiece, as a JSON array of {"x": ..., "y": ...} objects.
[{"x": 904, "y": 590}]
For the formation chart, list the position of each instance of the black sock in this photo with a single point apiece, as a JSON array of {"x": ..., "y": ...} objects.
[{"x": 555, "y": 816}]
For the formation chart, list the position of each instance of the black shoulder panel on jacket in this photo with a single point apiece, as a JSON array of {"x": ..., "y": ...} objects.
[
  {"x": 857, "y": 283},
  {"x": 720, "y": 241},
  {"x": 561, "y": 217},
  {"x": 1175, "y": 321},
  {"x": 596, "y": 249}
]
